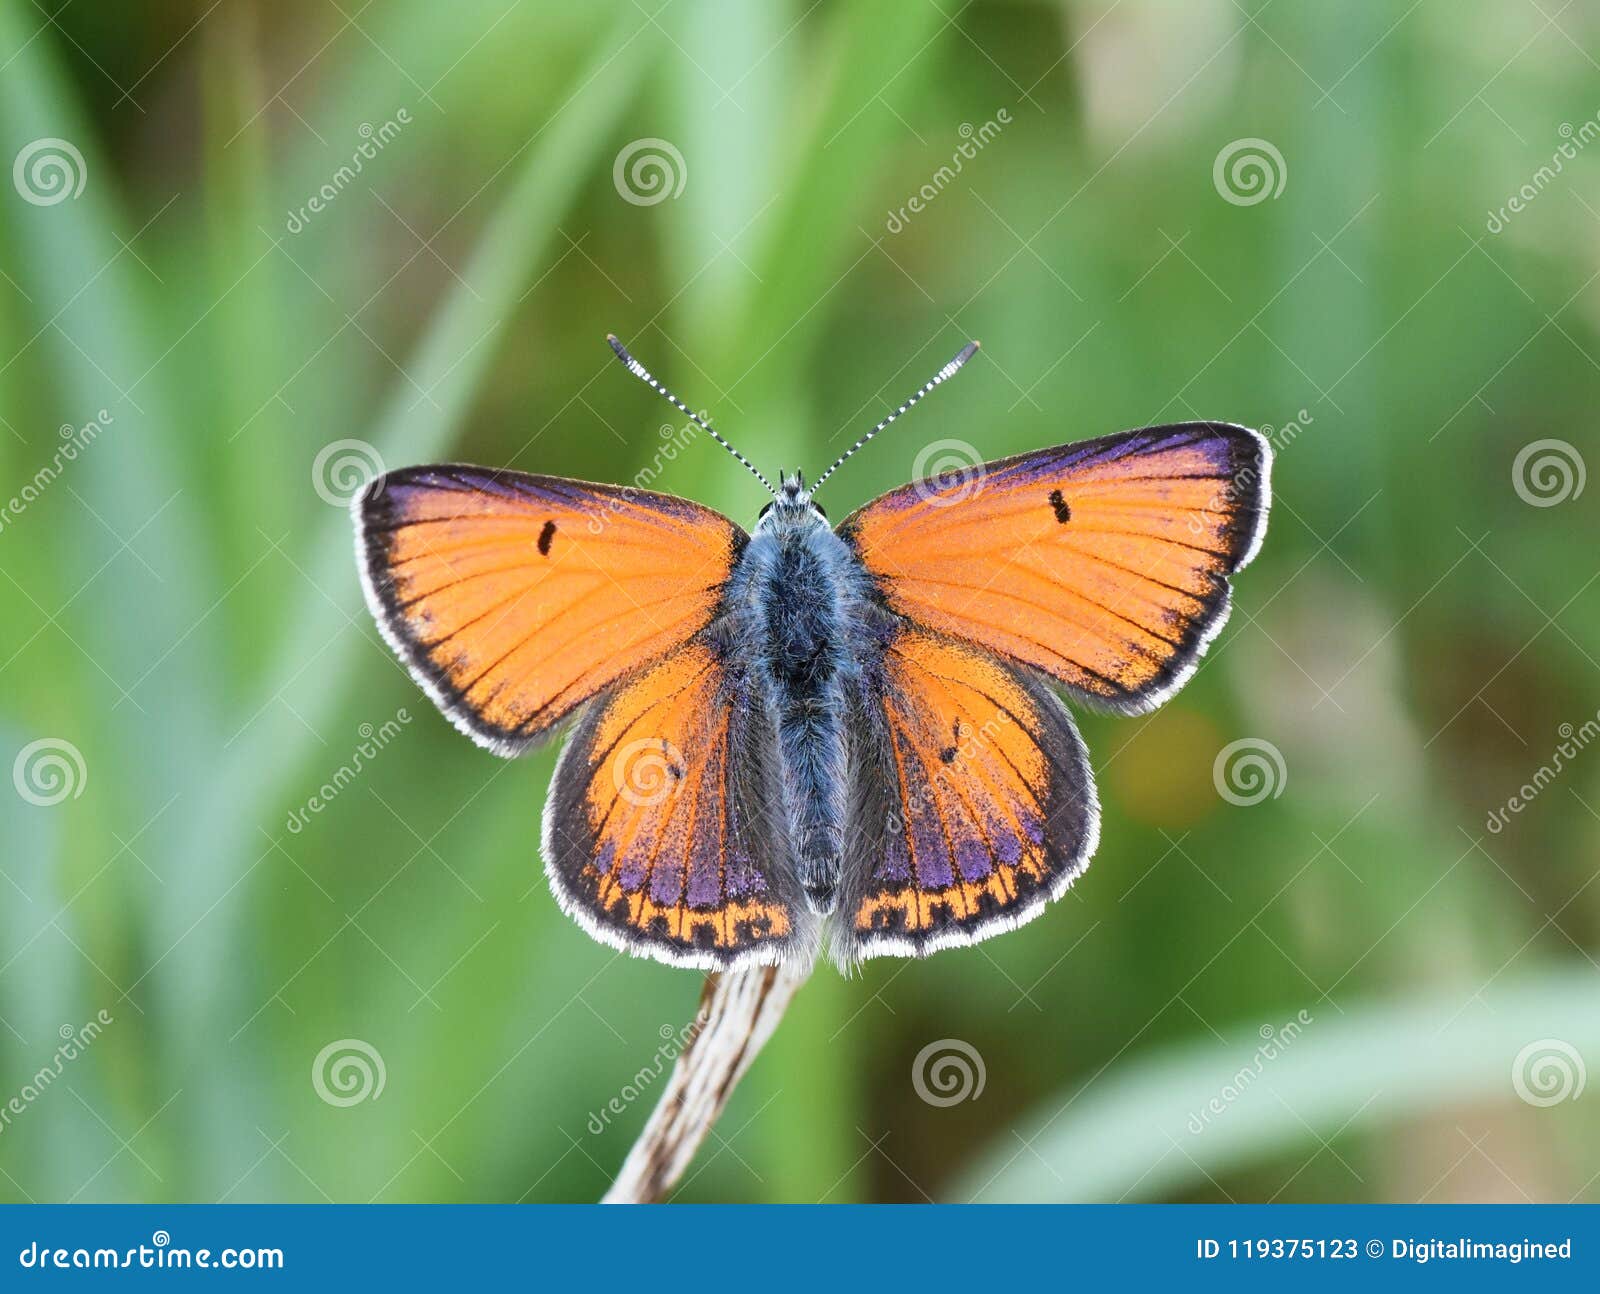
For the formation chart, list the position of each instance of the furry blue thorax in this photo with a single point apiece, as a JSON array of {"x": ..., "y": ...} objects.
[{"x": 798, "y": 618}]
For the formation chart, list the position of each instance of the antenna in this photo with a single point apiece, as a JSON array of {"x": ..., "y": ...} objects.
[
  {"x": 948, "y": 371},
  {"x": 643, "y": 374}
]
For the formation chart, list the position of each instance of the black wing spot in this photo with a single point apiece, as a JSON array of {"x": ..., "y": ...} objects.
[
  {"x": 545, "y": 536},
  {"x": 1058, "y": 505},
  {"x": 948, "y": 754}
]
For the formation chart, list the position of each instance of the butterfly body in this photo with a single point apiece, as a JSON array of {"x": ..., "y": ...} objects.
[
  {"x": 807, "y": 735},
  {"x": 800, "y": 625}
]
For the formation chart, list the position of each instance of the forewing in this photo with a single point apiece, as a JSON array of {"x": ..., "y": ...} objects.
[
  {"x": 1104, "y": 563},
  {"x": 513, "y": 599},
  {"x": 654, "y": 838},
  {"x": 974, "y": 802}
]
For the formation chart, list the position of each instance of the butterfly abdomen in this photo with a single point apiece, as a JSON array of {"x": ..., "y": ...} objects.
[{"x": 795, "y": 604}]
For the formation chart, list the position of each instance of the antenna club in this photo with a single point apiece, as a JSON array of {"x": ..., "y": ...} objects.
[
  {"x": 966, "y": 353},
  {"x": 643, "y": 374},
  {"x": 944, "y": 374}
]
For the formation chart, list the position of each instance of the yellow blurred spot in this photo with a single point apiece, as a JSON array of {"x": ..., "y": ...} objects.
[{"x": 1163, "y": 775}]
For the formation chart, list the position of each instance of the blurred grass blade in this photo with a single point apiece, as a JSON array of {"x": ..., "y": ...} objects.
[
  {"x": 94, "y": 327},
  {"x": 762, "y": 350},
  {"x": 1131, "y": 1133},
  {"x": 140, "y": 676},
  {"x": 453, "y": 354},
  {"x": 42, "y": 999}
]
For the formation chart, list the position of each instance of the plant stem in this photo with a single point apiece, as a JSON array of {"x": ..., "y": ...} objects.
[{"x": 737, "y": 1014}]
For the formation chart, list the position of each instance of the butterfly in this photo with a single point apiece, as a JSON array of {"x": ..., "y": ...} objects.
[{"x": 808, "y": 735}]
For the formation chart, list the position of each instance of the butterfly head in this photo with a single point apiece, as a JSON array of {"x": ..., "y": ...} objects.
[{"x": 791, "y": 505}]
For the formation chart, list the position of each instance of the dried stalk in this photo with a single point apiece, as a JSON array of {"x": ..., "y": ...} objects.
[{"x": 737, "y": 1014}]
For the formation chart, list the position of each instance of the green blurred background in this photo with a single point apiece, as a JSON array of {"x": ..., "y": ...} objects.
[{"x": 1352, "y": 988}]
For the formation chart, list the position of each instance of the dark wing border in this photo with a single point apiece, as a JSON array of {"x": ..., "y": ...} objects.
[
  {"x": 1252, "y": 455},
  {"x": 567, "y": 850},
  {"x": 1072, "y": 799},
  {"x": 373, "y": 515}
]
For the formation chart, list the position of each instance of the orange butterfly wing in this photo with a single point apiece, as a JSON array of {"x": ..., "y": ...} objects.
[
  {"x": 654, "y": 840},
  {"x": 976, "y": 806},
  {"x": 1104, "y": 563},
  {"x": 515, "y": 598}
]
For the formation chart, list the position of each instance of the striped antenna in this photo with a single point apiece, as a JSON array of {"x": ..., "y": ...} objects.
[
  {"x": 643, "y": 374},
  {"x": 948, "y": 371}
]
